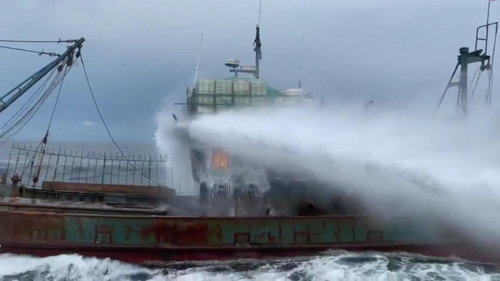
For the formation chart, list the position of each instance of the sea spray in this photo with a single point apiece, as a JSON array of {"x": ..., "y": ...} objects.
[
  {"x": 178, "y": 172},
  {"x": 438, "y": 168}
]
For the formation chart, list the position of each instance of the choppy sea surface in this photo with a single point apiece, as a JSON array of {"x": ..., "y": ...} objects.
[
  {"x": 334, "y": 266},
  {"x": 327, "y": 266}
]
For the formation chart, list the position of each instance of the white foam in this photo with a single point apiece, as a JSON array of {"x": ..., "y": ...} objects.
[
  {"x": 68, "y": 267},
  {"x": 332, "y": 267}
]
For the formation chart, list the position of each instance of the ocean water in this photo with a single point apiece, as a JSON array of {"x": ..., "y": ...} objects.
[
  {"x": 327, "y": 266},
  {"x": 330, "y": 266}
]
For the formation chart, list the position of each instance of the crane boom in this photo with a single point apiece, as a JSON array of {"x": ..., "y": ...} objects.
[{"x": 33, "y": 79}]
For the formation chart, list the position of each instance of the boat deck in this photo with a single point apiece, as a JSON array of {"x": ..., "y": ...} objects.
[{"x": 137, "y": 208}]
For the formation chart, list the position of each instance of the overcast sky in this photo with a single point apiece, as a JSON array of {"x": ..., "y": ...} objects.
[{"x": 141, "y": 55}]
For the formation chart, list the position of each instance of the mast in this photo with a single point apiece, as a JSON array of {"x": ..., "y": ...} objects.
[
  {"x": 234, "y": 64},
  {"x": 465, "y": 58},
  {"x": 258, "y": 45},
  {"x": 258, "y": 52},
  {"x": 24, "y": 86},
  {"x": 300, "y": 67},
  {"x": 487, "y": 26}
]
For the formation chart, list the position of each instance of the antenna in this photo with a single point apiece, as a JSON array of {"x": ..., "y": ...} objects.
[
  {"x": 260, "y": 12},
  {"x": 258, "y": 44},
  {"x": 490, "y": 63},
  {"x": 189, "y": 90},
  {"x": 234, "y": 64},
  {"x": 198, "y": 61},
  {"x": 487, "y": 25},
  {"x": 301, "y": 60}
]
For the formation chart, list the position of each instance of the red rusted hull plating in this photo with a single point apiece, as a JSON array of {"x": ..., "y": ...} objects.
[
  {"x": 157, "y": 239},
  {"x": 139, "y": 255}
]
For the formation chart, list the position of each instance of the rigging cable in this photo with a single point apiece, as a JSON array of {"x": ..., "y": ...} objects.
[
  {"x": 198, "y": 61},
  {"x": 490, "y": 71},
  {"x": 51, "y": 54},
  {"x": 45, "y": 94},
  {"x": 30, "y": 100},
  {"x": 68, "y": 68},
  {"x": 38, "y": 41},
  {"x": 43, "y": 143},
  {"x": 477, "y": 81},
  {"x": 45, "y": 138},
  {"x": 19, "y": 125},
  {"x": 474, "y": 76},
  {"x": 106, "y": 126},
  {"x": 490, "y": 86},
  {"x": 301, "y": 60}
]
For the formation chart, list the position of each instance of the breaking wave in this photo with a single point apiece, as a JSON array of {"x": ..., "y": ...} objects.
[{"x": 332, "y": 266}]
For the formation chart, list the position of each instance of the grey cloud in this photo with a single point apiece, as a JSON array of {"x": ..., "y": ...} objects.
[{"x": 140, "y": 54}]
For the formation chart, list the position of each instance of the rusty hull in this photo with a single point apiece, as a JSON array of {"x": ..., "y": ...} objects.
[{"x": 154, "y": 239}]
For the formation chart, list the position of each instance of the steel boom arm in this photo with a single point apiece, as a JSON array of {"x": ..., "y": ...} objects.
[{"x": 33, "y": 79}]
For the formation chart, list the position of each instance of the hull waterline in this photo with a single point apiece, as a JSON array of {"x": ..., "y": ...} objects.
[{"x": 158, "y": 255}]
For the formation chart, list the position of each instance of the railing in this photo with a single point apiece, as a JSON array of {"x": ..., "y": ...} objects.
[{"x": 79, "y": 166}]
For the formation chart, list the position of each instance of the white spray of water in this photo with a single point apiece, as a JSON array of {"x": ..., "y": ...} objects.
[
  {"x": 179, "y": 175},
  {"x": 447, "y": 169}
]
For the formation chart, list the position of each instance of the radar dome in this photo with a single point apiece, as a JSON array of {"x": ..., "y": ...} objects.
[{"x": 233, "y": 63}]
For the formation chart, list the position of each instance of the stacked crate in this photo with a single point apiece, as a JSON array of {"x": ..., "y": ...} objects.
[
  {"x": 258, "y": 90},
  {"x": 241, "y": 87},
  {"x": 205, "y": 87},
  {"x": 204, "y": 95},
  {"x": 241, "y": 91},
  {"x": 223, "y": 89},
  {"x": 218, "y": 95}
]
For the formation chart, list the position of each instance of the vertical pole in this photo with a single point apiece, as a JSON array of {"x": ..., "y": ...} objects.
[
  {"x": 88, "y": 168},
  {"x": 73, "y": 164},
  {"x": 142, "y": 167},
  {"x": 8, "y": 163},
  {"x": 48, "y": 166},
  {"x": 96, "y": 164},
  {"x": 135, "y": 170},
  {"x": 464, "y": 52},
  {"x": 17, "y": 159},
  {"x": 64, "y": 165},
  {"x": 257, "y": 67},
  {"x": 80, "y": 167},
  {"x": 126, "y": 171},
  {"x": 28, "y": 150},
  {"x": 149, "y": 170},
  {"x": 57, "y": 164},
  {"x": 119, "y": 168},
  {"x": 157, "y": 175},
  {"x": 111, "y": 172},
  {"x": 487, "y": 27},
  {"x": 103, "y": 168},
  {"x": 172, "y": 171},
  {"x": 179, "y": 181}
]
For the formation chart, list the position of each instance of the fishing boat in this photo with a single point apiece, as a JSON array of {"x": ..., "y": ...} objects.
[{"x": 87, "y": 218}]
